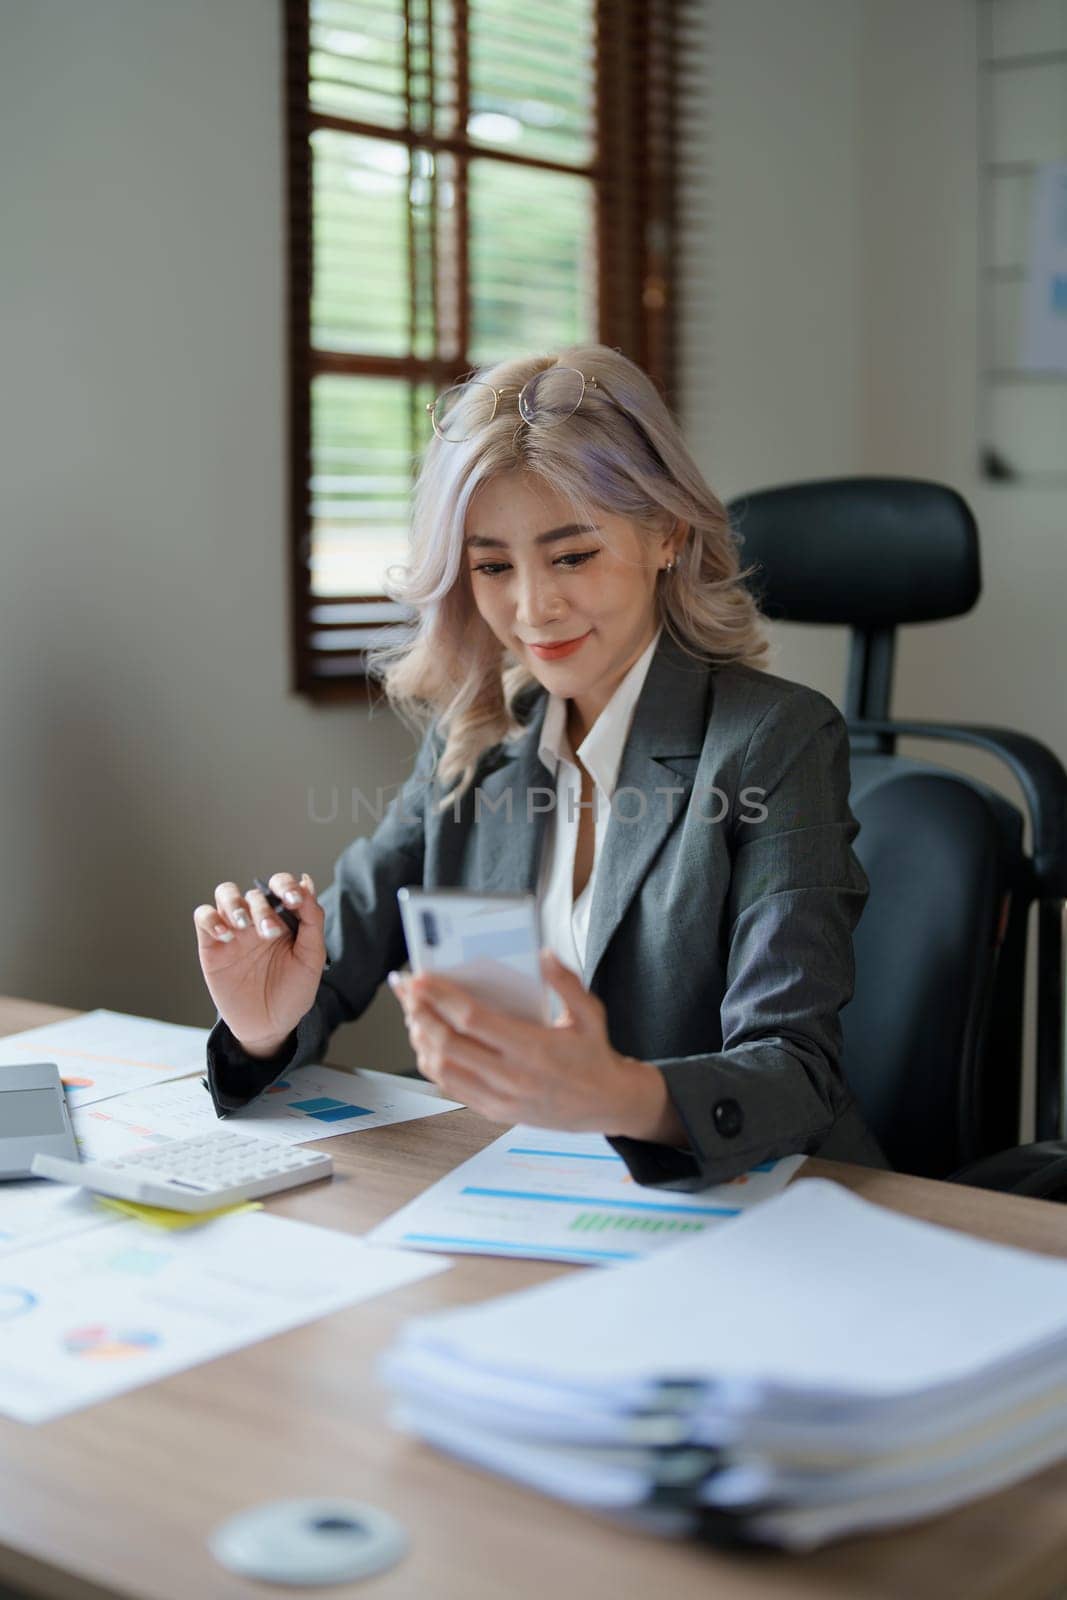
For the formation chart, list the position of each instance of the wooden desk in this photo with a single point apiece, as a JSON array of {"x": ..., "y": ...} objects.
[{"x": 118, "y": 1499}]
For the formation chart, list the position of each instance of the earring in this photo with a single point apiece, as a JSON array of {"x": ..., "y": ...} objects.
[{"x": 670, "y": 566}]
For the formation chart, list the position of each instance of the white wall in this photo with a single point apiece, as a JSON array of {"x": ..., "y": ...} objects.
[
  {"x": 151, "y": 746},
  {"x": 919, "y": 211},
  {"x": 773, "y": 368},
  {"x": 832, "y": 319},
  {"x": 833, "y": 327}
]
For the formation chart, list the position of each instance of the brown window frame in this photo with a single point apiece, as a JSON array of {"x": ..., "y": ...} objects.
[{"x": 638, "y": 77}]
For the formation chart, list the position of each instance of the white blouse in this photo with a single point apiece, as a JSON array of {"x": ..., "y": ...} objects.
[{"x": 564, "y": 920}]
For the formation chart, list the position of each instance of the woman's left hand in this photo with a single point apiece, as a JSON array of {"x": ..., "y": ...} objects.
[{"x": 562, "y": 1075}]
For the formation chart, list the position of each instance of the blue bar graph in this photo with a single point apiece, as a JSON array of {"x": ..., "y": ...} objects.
[
  {"x": 599, "y": 1203},
  {"x": 569, "y": 1155},
  {"x": 325, "y": 1110},
  {"x": 512, "y": 1248}
]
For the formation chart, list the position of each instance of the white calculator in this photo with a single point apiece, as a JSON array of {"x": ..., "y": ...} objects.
[{"x": 201, "y": 1174}]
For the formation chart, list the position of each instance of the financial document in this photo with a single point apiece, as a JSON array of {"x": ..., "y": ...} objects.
[
  {"x": 566, "y": 1197},
  {"x": 105, "y": 1053},
  {"x": 33, "y": 1212},
  {"x": 88, "y": 1317},
  {"x": 310, "y": 1103}
]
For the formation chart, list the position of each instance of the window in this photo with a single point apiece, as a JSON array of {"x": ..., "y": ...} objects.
[{"x": 468, "y": 180}]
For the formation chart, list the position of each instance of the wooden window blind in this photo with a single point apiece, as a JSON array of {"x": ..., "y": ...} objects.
[{"x": 467, "y": 180}]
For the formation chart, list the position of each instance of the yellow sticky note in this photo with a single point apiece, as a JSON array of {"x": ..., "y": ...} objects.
[{"x": 160, "y": 1217}]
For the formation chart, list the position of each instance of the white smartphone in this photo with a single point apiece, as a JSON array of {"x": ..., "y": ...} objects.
[{"x": 490, "y": 943}]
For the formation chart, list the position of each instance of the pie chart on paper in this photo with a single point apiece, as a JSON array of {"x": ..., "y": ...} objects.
[{"x": 100, "y": 1343}]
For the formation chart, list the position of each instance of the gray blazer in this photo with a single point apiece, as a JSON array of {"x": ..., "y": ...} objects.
[{"x": 720, "y": 935}]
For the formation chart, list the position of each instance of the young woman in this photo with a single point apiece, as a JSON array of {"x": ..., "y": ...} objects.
[{"x": 586, "y": 667}]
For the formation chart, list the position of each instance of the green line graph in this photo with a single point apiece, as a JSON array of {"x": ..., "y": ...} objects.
[{"x": 602, "y": 1221}]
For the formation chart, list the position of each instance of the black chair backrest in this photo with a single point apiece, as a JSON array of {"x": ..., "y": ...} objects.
[
  {"x": 941, "y": 855},
  {"x": 867, "y": 552},
  {"x": 871, "y": 553}
]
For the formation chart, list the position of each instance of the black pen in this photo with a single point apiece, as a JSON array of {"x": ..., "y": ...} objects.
[{"x": 291, "y": 922}]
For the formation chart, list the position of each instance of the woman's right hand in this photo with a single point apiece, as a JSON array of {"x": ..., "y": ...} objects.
[{"x": 260, "y": 977}]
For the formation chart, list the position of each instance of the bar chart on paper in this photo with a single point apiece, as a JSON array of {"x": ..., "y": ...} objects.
[
  {"x": 591, "y": 1222},
  {"x": 565, "y": 1197},
  {"x": 323, "y": 1108}
]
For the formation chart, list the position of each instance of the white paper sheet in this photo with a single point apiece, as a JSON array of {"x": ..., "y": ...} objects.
[
  {"x": 92, "y": 1316},
  {"x": 565, "y": 1197},
  {"x": 104, "y": 1053},
  {"x": 311, "y": 1103},
  {"x": 830, "y": 1298},
  {"x": 33, "y": 1212}
]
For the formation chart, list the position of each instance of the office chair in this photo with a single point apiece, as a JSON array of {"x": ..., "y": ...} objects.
[{"x": 933, "y": 1034}]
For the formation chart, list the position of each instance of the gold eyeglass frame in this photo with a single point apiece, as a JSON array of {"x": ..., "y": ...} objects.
[{"x": 498, "y": 394}]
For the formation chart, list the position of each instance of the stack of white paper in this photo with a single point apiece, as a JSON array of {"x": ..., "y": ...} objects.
[{"x": 819, "y": 1367}]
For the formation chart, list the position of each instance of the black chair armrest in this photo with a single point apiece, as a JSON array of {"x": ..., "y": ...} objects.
[
  {"x": 1037, "y": 1170},
  {"x": 1039, "y": 773}
]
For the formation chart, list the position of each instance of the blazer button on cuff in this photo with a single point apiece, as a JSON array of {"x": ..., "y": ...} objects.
[{"x": 728, "y": 1118}]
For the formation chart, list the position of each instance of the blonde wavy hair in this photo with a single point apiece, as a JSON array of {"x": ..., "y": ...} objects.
[{"x": 626, "y": 458}]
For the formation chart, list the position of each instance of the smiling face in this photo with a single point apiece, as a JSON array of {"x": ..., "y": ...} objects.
[{"x": 540, "y": 579}]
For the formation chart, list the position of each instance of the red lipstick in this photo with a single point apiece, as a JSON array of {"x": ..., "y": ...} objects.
[{"x": 554, "y": 652}]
